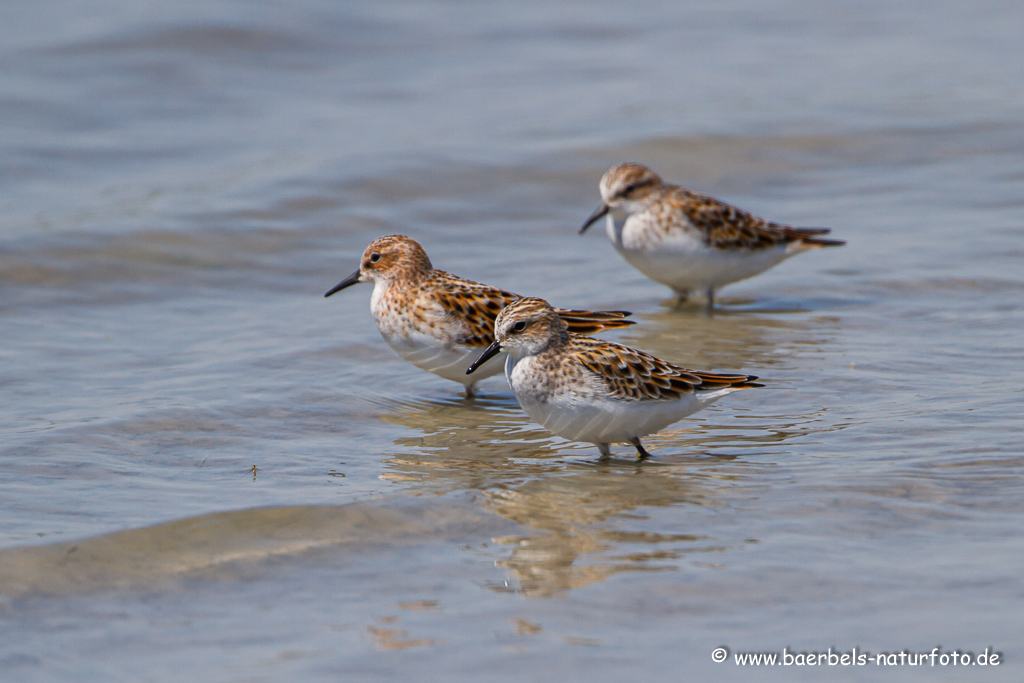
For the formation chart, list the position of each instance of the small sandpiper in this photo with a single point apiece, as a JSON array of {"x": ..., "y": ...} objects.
[
  {"x": 440, "y": 322},
  {"x": 687, "y": 240},
  {"x": 587, "y": 389}
]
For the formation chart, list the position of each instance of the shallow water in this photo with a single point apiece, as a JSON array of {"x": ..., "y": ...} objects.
[{"x": 182, "y": 183}]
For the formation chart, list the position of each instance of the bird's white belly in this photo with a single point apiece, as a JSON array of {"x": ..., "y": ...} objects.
[
  {"x": 684, "y": 262},
  {"x": 583, "y": 415},
  {"x": 606, "y": 420},
  {"x": 447, "y": 361}
]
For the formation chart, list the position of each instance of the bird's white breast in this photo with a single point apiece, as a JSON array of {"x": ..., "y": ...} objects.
[
  {"x": 680, "y": 258},
  {"x": 428, "y": 341},
  {"x": 449, "y": 362},
  {"x": 582, "y": 411}
]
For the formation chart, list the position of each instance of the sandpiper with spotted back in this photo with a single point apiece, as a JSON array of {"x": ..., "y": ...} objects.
[
  {"x": 593, "y": 390},
  {"x": 687, "y": 240},
  {"x": 440, "y": 322}
]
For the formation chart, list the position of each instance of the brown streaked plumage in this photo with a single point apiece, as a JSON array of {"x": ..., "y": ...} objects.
[
  {"x": 436, "y": 320},
  {"x": 635, "y": 375},
  {"x": 726, "y": 227},
  {"x": 593, "y": 390},
  {"x": 690, "y": 241},
  {"x": 478, "y": 305}
]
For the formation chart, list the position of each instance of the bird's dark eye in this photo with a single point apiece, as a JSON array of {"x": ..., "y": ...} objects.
[
  {"x": 519, "y": 326},
  {"x": 632, "y": 187},
  {"x": 374, "y": 257}
]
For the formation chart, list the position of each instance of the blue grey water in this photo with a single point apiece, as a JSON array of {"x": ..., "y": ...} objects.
[{"x": 182, "y": 181}]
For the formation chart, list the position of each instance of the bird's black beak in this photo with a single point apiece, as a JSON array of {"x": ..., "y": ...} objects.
[
  {"x": 347, "y": 282},
  {"x": 601, "y": 212},
  {"x": 490, "y": 352}
]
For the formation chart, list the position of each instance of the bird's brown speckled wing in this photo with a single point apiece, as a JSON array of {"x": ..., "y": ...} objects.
[
  {"x": 590, "y": 322},
  {"x": 632, "y": 374},
  {"x": 474, "y": 304},
  {"x": 725, "y": 227},
  {"x": 477, "y": 305}
]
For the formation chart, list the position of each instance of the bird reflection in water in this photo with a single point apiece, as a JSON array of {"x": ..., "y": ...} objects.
[{"x": 583, "y": 520}]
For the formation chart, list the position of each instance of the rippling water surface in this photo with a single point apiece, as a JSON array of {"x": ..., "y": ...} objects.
[{"x": 182, "y": 182}]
